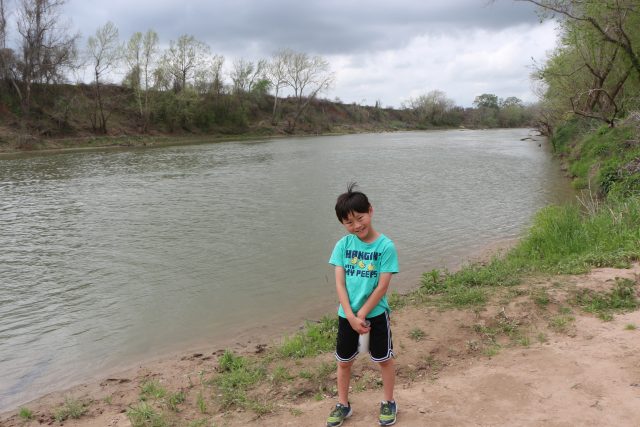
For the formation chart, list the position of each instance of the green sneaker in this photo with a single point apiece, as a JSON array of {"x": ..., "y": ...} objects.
[
  {"x": 388, "y": 412},
  {"x": 338, "y": 415}
]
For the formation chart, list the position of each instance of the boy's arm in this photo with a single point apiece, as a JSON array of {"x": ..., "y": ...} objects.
[
  {"x": 357, "y": 323},
  {"x": 376, "y": 295}
]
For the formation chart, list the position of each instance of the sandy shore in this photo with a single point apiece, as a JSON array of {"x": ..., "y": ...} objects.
[{"x": 581, "y": 371}]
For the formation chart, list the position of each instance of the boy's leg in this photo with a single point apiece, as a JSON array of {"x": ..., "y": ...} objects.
[
  {"x": 381, "y": 349},
  {"x": 344, "y": 377},
  {"x": 346, "y": 352},
  {"x": 388, "y": 373}
]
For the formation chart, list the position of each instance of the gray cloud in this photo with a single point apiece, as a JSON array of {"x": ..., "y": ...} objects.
[
  {"x": 320, "y": 27},
  {"x": 379, "y": 49}
]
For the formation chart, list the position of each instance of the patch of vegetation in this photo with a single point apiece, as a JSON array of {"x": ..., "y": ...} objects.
[
  {"x": 201, "y": 403},
  {"x": 316, "y": 338},
  {"x": 26, "y": 414},
  {"x": 621, "y": 298},
  {"x": 630, "y": 327},
  {"x": 561, "y": 323},
  {"x": 416, "y": 334},
  {"x": 176, "y": 399},
  {"x": 72, "y": 408},
  {"x": 144, "y": 415},
  {"x": 237, "y": 375},
  {"x": 279, "y": 375},
  {"x": 541, "y": 298},
  {"x": 152, "y": 389}
]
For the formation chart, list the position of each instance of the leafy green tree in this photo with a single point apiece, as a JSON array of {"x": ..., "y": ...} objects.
[{"x": 486, "y": 114}]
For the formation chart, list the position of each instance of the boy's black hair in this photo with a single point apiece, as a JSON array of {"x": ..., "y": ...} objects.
[{"x": 351, "y": 201}]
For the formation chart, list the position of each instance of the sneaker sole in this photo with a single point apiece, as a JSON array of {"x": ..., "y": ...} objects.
[{"x": 345, "y": 417}]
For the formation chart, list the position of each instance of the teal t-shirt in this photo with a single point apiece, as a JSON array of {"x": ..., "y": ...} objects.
[{"x": 363, "y": 263}]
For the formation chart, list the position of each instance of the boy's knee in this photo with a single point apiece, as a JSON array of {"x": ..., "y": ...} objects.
[
  {"x": 386, "y": 363},
  {"x": 345, "y": 365}
]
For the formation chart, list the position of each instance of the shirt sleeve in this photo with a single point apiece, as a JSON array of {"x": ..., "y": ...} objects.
[
  {"x": 337, "y": 256},
  {"x": 389, "y": 259}
]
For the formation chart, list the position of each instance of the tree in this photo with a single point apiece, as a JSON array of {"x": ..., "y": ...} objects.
[
  {"x": 245, "y": 74},
  {"x": 512, "y": 112},
  {"x": 432, "y": 108},
  {"x": 208, "y": 79},
  {"x": 140, "y": 53},
  {"x": 615, "y": 21},
  {"x": 306, "y": 77},
  {"x": 486, "y": 100},
  {"x": 184, "y": 59},
  {"x": 589, "y": 73},
  {"x": 47, "y": 49},
  {"x": 6, "y": 55},
  {"x": 105, "y": 52},
  {"x": 486, "y": 112},
  {"x": 276, "y": 73},
  {"x": 133, "y": 58},
  {"x": 3, "y": 26}
]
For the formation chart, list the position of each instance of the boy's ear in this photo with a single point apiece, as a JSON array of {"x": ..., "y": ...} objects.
[{"x": 370, "y": 210}]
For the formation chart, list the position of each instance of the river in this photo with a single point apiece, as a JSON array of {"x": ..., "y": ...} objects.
[{"x": 110, "y": 257}]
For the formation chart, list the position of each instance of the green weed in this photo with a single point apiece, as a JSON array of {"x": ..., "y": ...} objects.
[
  {"x": 280, "y": 374},
  {"x": 152, "y": 389},
  {"x": 416, "y": 334},
  {"x": 561, "y": 323},
  {"x": 541, "y": 298},
  {"x": 237, "y": 376},
  {"x": 315, "y": 339},
  {"x": 72, "y": 408},
  {"x": 201, "y": 403},
  {"x": 176, "y": 399},
  {"x": 144, "y": 415},
  {"x": 604, "y": 304},
  {"x": 26, "y": 414}
]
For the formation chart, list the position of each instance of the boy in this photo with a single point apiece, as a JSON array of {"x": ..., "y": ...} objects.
[{"x": 364, "y": 261}]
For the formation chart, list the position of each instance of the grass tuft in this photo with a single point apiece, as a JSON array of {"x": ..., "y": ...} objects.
[
  {"x": 144, "y": 415},
  {"x": 72, "y": 408},
  {"x": 315, "y": 339},
  {"x": 621, "y": 298},
  {"x": 26, "y": 414}
]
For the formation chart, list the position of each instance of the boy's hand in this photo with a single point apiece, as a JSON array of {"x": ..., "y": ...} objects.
[{"x": 359, "y": 325}]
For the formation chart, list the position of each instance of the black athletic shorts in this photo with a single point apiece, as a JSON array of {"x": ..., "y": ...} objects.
[{"x": 380, "y": 344}]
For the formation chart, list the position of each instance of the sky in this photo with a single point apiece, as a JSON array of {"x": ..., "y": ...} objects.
[{"x": 386, "y": 51}]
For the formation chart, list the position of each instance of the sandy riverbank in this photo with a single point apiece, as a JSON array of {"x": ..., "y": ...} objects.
[{"x": 581, "y": 371}]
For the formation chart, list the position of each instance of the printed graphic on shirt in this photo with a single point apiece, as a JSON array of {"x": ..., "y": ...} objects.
[{"x": 358, "y": 267}]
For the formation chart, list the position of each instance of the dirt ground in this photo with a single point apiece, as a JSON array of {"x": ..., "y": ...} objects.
[{"x": 529, "y": 358}]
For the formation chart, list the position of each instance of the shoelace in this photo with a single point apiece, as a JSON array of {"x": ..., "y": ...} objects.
[
  {"x": 386, "y": 409},
  {"x": 338, "y": 411}
]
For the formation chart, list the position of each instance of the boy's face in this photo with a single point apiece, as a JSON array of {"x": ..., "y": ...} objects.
[{"x": 359, "y": 223}]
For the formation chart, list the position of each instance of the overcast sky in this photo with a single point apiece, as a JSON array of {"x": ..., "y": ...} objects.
[{"x": 386, "y": 50}]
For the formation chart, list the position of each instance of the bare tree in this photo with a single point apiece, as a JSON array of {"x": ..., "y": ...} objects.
[
  {"x": 245, "y": 74},
  {"x": 3, "y": 26},
  {"x": 306, "y": 76},
  {"x": 47, "y": 49},
  {"x": 183, "y": 59},
  {"x": 208, "y": 79},
  {"x": 133, "y": 58},
  {"x": 149, "y": 57},
  {"x": 104, "y": 51},
  {"x": 276, "y": 72}
]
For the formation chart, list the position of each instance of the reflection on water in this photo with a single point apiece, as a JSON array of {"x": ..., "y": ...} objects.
[{"x": 112, "y": 256}]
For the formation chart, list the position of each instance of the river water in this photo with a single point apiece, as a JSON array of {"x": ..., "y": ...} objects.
[{"x": 111, "y": 257}]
